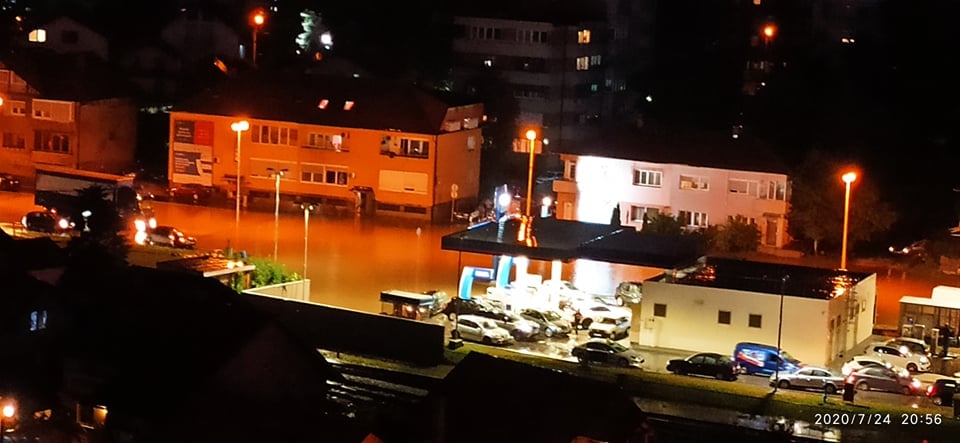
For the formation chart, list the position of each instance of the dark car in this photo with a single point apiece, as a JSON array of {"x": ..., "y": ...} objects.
[
  {"x": 519, "y": 327},
  {"x": 916, "y": 251},
  {"x": 190, "y": 192},
  {"x": 707, "y": 363},
  {"x": 9, "y": 183},
  {"x": 47, "y": 221},
  {"x": 169, "y": 236},
  {"x": 607, "y": 352},
  {"x": 883, "y": 379},
  {"x": 551, "y": 322},
  {"x": 941, "y": 391},
  {"x": 629, "y": 292},
  {"x": 473, "y": 306}
]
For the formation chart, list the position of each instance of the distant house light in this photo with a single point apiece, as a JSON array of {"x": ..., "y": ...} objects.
[
  {"x": 323, "y": 104},
  {"x": 38, "y": 35},
  {"x": 347, "y": 105}
]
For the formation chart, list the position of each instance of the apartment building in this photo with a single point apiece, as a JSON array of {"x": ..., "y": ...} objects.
[
  {"x": 413, "y": 152},
  {"x": 701, "y": 179}
]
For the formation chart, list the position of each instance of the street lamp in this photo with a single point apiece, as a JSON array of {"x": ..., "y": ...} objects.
[
  {"x": 238, "y": 127},
  {"x": 256, "y": 21},
  {"x": 8, "y": 411},
  {"x": 307, "y": 207},
  {"x": 276, "y": 209},
  {"x": 848, "y": 178},
  {"x": 783, "y": 288},
  {"x": 532, "y": 137}
]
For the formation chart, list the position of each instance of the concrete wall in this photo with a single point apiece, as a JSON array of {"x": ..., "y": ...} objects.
[
  {"x": 107, "y": 135},
  {"x": 295, "y": 290},
  {"x": 344, "y": 330}
]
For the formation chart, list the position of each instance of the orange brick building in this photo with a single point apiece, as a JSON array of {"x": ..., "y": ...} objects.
[{"x": 337, "y": 139}]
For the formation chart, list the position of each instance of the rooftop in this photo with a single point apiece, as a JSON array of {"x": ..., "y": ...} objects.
[
  {"x": 772, "y": 278},
  {"x": 362, "y": 103}
]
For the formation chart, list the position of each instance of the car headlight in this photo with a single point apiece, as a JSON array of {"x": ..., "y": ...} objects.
[
  {"x": 915, "y": 383},
  {"x": 923, "y": 359},
  {"x": 63, "y": 223}
]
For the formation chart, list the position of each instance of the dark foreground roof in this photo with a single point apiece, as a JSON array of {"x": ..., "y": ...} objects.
[
  {"x": 773, "y": 278},
  {"x": 715, "y": 149},
  {"x": 295, "y": 97},
  {"x": 529, "y": 404},
  {"x": 73, "y": 77},
  {"x": 569, "y": 240}
]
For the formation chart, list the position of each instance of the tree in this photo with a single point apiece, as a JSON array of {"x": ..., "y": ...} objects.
[
  {"x": 615, "y": 216},
  {"x": 270, "y": 273},
  {"x": 663, "y": 224},
  {"x": 311, "y": 41},
  {"x": 817, "y": 200},
  {"x": 736, "y": 235}
]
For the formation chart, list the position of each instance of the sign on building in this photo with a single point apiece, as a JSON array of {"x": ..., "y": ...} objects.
[{"x": 193, "y": 152}]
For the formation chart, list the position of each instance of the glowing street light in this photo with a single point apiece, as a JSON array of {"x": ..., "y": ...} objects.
[
  {"x": 848, "y": 178},
  {"x": 545, "y": 207},
  {"x": 532, "y": 137},
  {"x": 238, "y": 127},
  {"x": 8, "y": 412},
  {"x": 276, "y": 210},
  {"x": 307, "y": 207},
  {"x": 769, "y": 31},
  {"x": 257, "y": 21}
]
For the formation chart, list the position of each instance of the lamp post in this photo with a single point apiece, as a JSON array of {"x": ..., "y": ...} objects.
[
  {"x": 848, "y": 178},
  {"x": 276, "y": 209},
  {"x": 307, "y": 207},
  {"x": 532, "y": 137},
  {"x": 8, "y": 411},
  {"x": 256, "y": 21},
  {"x": 238, "y": 127},
  {"x": 783, "y": 288}
]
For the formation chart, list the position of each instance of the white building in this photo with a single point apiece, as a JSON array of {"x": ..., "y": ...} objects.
[
  {"x": 826, "y": 313},
  {"x": 701, "y": 180}
]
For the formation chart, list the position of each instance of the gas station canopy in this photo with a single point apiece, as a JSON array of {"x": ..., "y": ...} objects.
[{"x": 552, "y": 239}]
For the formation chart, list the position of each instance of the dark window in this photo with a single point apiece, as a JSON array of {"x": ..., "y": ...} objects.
[
  {"x": 723, "y": 317},
  {"x": 755, "y": 320},
  {"x": 659, "y": 310}
]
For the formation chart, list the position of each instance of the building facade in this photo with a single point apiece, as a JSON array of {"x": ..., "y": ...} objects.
[
  {"x": 337, "y": 140},
  {"x": 645, "y": 178},
  {"x": 84, "y": 123},
  {"x": 567, "y": 69},
  {"x": 826, "y": 314}
]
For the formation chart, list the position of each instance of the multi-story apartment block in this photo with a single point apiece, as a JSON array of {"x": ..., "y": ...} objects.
[
  {"x": 701, "y": 181},
  {"x": 66, "y": 110},
  {"x": 355, "y": 140},
  {"x": 567, "y": 65}
]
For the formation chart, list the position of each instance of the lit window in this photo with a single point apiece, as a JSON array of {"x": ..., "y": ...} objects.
[
  {"x": 583, "y": 37},
  {"x": 348, "y": 105},
  {"x": 323, "y": 104},
  {"x": 38, "y": 320},
  {"x": 488, "y": 62},
  {"x": 694, "y": 182},
  {"x": 38, "y": 35},
  {"x": 643, "y": 177},
  {"x": 583, "y": 63}
]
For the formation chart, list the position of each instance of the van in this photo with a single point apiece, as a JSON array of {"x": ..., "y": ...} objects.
[
  {"x": 412, "y": 305},
  {"x": 761, "y": 359}
]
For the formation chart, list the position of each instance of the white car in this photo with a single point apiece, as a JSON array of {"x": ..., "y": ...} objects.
[
  {"x": 591, "y": 312},
  {"x": 906, "y": 344},
  {"x": 863, "y": 361},
  {"x": 612, "y": 328},
  {"x": 912, "y": 362},
  {"x": 482, "y": 330},
  {"x": 809, "y": 377}
]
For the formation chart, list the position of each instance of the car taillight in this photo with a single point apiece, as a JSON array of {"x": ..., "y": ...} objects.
[{"x": 930, "y": 390}]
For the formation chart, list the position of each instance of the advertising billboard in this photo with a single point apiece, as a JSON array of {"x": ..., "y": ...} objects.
[{"x": 192, "y": 152}]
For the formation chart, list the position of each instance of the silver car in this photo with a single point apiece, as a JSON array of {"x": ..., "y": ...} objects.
[
  {"x": 483, "y": 330},
  {"x": 809, "y": 377}
]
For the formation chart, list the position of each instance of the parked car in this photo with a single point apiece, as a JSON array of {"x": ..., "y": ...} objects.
[
  {"x": 629, "y": 292},
  {"x": 610, "y": 327},
  {"x": 190, "y": 192},
  {"x": 519, "y": 327},
  {"x": 883, "y": 379},
  {"x": 941, "y": 392},
  {"x": 607, "y": 352},
  {"x": 169, "y": 236},
  {"x": 906, "y": 344},
  {"x": 755, "y": 358},
  {"x": 595, "y": 311},
  {"x": 474, "y": 306},
  {"x": 912, "y": 362},
  {"x": 706, "y": 363},
  {"x": 9, "y": 183},
  {"x": 865, "y": 361},
  {"x": 482, "y": 330},
  {"x": 809, "y": 377},
  {"x": 551, "y": 322},
  {"x": 47, "y": 221}
]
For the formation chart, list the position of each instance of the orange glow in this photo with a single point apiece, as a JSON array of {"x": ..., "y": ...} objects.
[
  {"x": 769, "y": 31},
  {"x": 849, "y": 177},
  {"x": 258, "y": 18},
  {"x": 531, "y": 135}
]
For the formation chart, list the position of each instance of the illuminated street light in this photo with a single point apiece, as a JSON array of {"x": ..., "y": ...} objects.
[
  {"x": 532, "y": 137},
  {"x": 276, "y": 210},
  {"x": 238, "y": 127},
  {"x": 769, "y": 31},
  {"x": 257, "y": 21},
  {"x": 545, "y": 207},
  {"x": 848, "y": 178},
  {"x": 307, "y": 207},
  {"x": 8, "y": 412}
]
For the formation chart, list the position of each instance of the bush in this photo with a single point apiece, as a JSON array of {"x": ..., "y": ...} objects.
[
  {"x": 269, "y": 272},
  {"x": 736, "y": 236}
]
